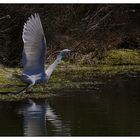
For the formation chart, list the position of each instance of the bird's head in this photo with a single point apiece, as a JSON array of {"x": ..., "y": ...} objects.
[{"x": 64, "y": 53}]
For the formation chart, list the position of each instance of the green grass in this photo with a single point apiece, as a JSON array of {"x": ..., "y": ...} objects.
[
  {"x": 69, "y": 76},
  {"x": 122, "y": 57}
]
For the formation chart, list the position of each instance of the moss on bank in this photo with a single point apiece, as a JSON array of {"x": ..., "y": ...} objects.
[
  {"x": 68, "y": 76},
  {"x": 122, "y": 57}
]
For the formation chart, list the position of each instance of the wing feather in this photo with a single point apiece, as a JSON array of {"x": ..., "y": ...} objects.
[{"x": 33, "y": 57}]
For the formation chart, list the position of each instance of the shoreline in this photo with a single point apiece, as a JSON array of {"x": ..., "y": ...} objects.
[
  {"x": 77, "y": 76},
  {"x": 66, "y": 77}
]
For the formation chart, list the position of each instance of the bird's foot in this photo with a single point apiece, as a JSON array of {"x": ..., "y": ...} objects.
[
  {"x": 29, "y": 91},
  {"x": 22, "y": 92}
]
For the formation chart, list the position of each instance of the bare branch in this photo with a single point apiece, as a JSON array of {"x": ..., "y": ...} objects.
[
  {"x": 7, "y": 16},
  {"x": 99, "y": 22}
]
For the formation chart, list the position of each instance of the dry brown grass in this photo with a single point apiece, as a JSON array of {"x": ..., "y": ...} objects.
[{"x": 85, "y": 29}]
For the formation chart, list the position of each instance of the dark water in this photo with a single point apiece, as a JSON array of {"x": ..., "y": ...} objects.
[{"x": 113, "y": 110}]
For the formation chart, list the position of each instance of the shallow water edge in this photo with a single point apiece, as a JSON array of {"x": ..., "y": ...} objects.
[{"x": 66, "y": 78}]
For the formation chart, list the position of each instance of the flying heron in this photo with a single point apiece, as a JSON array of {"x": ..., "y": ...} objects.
[{"x": 33, "y": 55}]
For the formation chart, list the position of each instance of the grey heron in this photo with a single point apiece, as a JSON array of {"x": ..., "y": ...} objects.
[{"x": 34, "y": 50}]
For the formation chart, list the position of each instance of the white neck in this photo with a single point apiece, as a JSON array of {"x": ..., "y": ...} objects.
[{"x": 52, "y": 67}]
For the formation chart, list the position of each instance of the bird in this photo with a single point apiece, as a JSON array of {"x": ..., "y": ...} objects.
[{"x": 34, "y": 53}]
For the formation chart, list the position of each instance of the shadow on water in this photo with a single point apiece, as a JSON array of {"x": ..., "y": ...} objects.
[{"x": 112, "y": 110}]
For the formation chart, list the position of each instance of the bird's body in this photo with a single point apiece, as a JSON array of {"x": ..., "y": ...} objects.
[{"x": 34, "y": 53}]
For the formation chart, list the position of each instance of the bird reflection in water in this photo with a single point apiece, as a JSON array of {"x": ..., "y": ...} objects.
[{"x": 36, "y": 116}]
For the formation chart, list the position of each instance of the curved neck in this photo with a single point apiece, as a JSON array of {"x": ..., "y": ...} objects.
[{"x": 52, "y": 67}]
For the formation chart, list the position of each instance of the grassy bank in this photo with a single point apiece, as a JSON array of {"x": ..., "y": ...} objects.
[{"x": 70, "y": 76}]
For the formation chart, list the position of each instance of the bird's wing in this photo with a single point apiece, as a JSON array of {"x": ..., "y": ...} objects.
[{"x": 33, "y": 56}]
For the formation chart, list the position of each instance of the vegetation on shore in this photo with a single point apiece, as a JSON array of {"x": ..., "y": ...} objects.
[
  {"x": 104, "y": 39},
  {"x": 96, "y": 29},
  {"x": 70, "y": 76}
]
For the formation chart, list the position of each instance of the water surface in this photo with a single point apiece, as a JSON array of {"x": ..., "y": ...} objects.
[{"x": 112, "y": 110}]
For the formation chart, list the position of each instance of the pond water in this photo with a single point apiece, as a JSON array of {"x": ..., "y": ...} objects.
[{"x": 112, "y": 110}]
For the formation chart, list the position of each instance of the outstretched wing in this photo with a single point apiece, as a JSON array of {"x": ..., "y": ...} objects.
[{"x": 33, "y": 56}]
